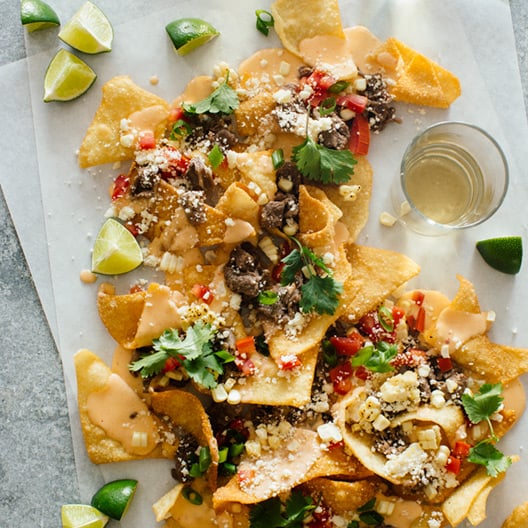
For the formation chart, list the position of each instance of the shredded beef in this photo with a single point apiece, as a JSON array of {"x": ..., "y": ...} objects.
[
  {"x": 379, "y": 109},
  {"x": 193, "y": 205},
  {"x": 201, "y": 178},
  {"x": 244, "y": 273},
  {"x": 147, "y": 176},
  {"x": 286, "y": 306},
  {"x": 289, "y": 171},
  {"x": 184, "y": 453},
  {"x": 275, "y": 213},
  {"x": 337, "y": 137}
]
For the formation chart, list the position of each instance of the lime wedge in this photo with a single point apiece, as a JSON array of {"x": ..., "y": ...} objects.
[
  {"x": 67, "y": 77},
  {"x": 36, "y": 14},
  {"x": 82, "y": 516},
  {"x": 88, "y": 30},
  {"x": 115, "y": 251},
  {"x": 502, "y": 253},
  {"x": 188, "y": 34},
  {"x": 114, "y": 498}
]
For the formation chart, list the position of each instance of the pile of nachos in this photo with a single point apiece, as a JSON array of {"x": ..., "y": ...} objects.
[{"x": 284, "y": 368}]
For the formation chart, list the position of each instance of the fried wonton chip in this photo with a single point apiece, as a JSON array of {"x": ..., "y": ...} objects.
[
  {"x": 296, "y": 21},
  {"x": 518, "y": 517},
  {"x": 121, "y": 98},
  {"x": 461, "y": 503},
  {"x": 257, "y": 172},
  {"x": 110, "y": 412},
  {"x": 237, "y": 202},
  {"x": 355, "y": 209},
  {"x": 135, "y": 319},
  {"x": 186, "y": 411},
  {"x": 376, "y": 273},
  {"x": 420, "y": 80},
  {"x": 340, "y": 496}
]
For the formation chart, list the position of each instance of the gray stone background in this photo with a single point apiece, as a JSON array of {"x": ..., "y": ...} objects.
[{"x": 37, "y": 471}]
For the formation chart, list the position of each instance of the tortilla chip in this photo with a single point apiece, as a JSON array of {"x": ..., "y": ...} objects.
[
  {"x": 270, "y": 386},
  {"x": 186, "y": 411},
  {"x": 92, "y": 377},
  {"x": 458, "y": 506},
  {"x": 466, "y": 299},
  {"x": 295, "y": 21},
  {"x": 317, "y": 219},
  {"x": 376, "y": 273},
  {"x": 236, "y": 202},
  {"x": 494, "y": 362},
  {"x": 121, "y": 98},
  {"x": 420, "y": 80},
  {"x": 257, "y": 173},
  {"x": 340, "y": 496},
  {"x": 254, "y": 114},
  {"x": 518, "y": 517},
  {"x": 120, "y": 313},
  {"x": 356, "y": 212}
]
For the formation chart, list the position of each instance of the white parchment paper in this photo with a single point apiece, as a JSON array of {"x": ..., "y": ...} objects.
[{"x": 473, "y": 39}]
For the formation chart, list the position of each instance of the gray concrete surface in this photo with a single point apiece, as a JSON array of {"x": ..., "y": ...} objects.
[{"x": 37, "y": 472}]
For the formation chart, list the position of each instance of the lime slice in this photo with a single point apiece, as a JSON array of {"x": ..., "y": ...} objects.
[
  {"x": 88, "y": 30},
  {"x": 36, "y": 14},
  {"x": 188, "y": 34},
  {"x": 502, "y": 253},
  {"x": 114, "y": 498},
  {"x": 67, "y": 77},
  {"x": 82, "y": 516},
  {"x": 115, "y": 250}
]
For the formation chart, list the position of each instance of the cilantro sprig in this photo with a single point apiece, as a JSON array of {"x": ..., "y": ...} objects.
[
  {"x": 479, "y": 407},
  {"x": 272, "y": 513},
  {"x": 194, "y": 352},
  {"x": 318, "y": 293},
  {"x": 319, "y": 163},
  {"x": 376, "y": 357},
  {"x": 224, "y": 100}
]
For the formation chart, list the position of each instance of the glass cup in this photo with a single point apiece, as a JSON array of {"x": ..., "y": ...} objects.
[{"x": 453, "y": 175}]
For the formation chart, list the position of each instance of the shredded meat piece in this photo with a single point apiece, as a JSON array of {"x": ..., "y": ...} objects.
[
  {"x": 244, "y": 273},
  {"x": 379, "y": 109},
  {"x": 186, "y": 449},
  {"x": 147, "y": 176},
  {"x": 337, "y": 137},
  {"x": 193, "y": 205},
  {"x": 201, "y": 178},
  {"x": 275, "y": 213}
]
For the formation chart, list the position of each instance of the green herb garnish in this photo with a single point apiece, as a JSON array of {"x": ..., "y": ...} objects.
[
  {"x": 277, "y": 158},
  {"x": 327, "y": 106},
  {"x": 271, "y": 514},
  {"x": 319, "y": 163},
  {"x": 268, "y": 297},
  {"x": 265, "y": 21},
  {"x": 201, "y": 465},
  {"x": 377, "y": 357},
  {"x": 222, "y": 101},
  {"x": 480, "y": 407},
  {"x": 195, "y": 354},
  {"x": 216, "y": 156},
  {"x": 180, "y": 129},
  {"x": 318, "y": 293}
]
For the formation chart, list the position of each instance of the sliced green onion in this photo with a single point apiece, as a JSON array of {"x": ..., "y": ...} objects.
[
  {"x": 261, "y": 345},
  {"x": 225, "y": 356},
  {"x": 228, "y": 468},
  {"x": 204, "y": 459},
  {"x": 216, "y": 156},
  {"x": 192, "y": 496},
  {"x": 267, "y": 297},
  {"x": 222, "y": 454},
  {"x": 180, "y": 128},
  {"x": 329, "y": 353},
  {"x": 277, "y": 158},
  {"x": 338, "y": 87},
  {"x": 264, "y": 21},
  {"x": 236, "y": 449},
  {"x": 385, "y": 318},
  {"x": 327, "y": 106}
]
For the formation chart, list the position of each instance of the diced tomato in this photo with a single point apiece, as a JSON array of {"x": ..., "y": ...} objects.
[
  {"x": 355, "y": 102},
  {"x": 360, "y": 136},
  {"x": 203, "y": 292},
  {"x": 245, "y": 365},
  {"x": 289, "y": 362},
  {"x": 369, "y": 324},
  {"x": 461, "y": 449},
  {"x": 398, "y": 313},
  {"x": 121, "y": 186},
  {"x": 321, "y": 517},
  {"x": 171, "y": 364},
  {"x": 340, "y": 376},
  {"x": 177, "y": 163},
  {"x": 418, "y": 297},
  {"x": 245, "y": 346},
  {"x": 276, "y": 272},
  {"x": 348, "y": 346},
  {"x": 336, "y": 445},
  {"x": 320, "y": 79},
  {"x": 410, "y": 358},
  {"x": 444, "y": 364},
  {"x": 453, "y": 464},
  {"x": 133, "y": 228},
  {"x": 175, "y": 114},
  {"x": 362, "y": 373},
  {"x": 418, "y": 323},
  {"x": 147, "y": 140}
]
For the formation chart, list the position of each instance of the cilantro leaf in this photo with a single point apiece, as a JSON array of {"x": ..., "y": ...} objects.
[
  {"x": 486, "y": 454},
  {"x": 271, "y": 514},
  {"x": 484, "y": 403},
  {"x": 222, "y": 101},
  {"x": 319, "y": 163},
  {"x": 318, "y": 293},
  {"x": 376, "y": 358},
  {"x": 194, "y": 353}
]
